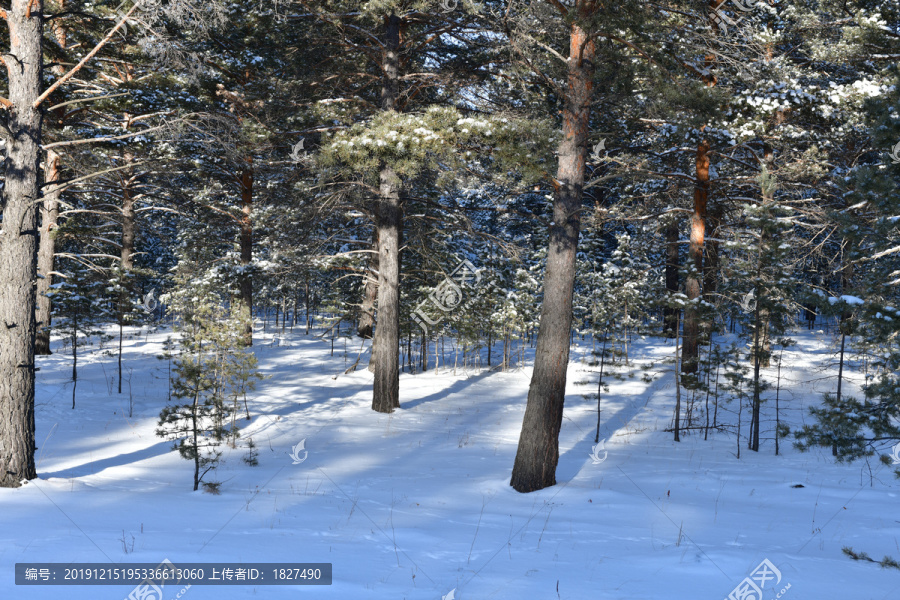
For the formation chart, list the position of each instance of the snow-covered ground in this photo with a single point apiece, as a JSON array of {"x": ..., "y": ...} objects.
[{"x": 417, "y": 503}]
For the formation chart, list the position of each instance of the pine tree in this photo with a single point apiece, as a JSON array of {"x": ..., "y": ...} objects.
[
  {"x": 571, "y": 88},
  {"x": 761, "y": 278},
  {"x": 212, "y": 367},
  {"x": 852, "y": 427},
  {"x": 538, "y": 451}
]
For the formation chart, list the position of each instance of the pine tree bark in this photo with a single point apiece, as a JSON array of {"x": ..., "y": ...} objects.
[
  {"x": 711, "y": 262},
  {"x": 49, "y": 215},
  {"x": 673, "y": 263},
  {"x": 389, "y": 224},
  {"x": 367, "y": 309},
  {"x": 246, "y": 281},
  {"x": 691, "y": 348},
  {"x": 126, "y": 255},
  {"x": 693, "y": 289},
  {"x": 758, "y": 324},
  {"x": 46, "y": 254},
  {"x": 49, "y": 218},
  {"x": 21, "y": 129},
  {"x": 538, "y": 452},
  {"x": 386, "y": 393}
]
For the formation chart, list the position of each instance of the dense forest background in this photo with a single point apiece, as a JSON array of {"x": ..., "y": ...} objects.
[{"x": 456, "y": 180}]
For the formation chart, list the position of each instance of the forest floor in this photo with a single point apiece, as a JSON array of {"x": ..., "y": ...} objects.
[{"x": 417, "y": 504}]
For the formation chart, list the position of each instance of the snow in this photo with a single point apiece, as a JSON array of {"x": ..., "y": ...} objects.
[
  {"x": 417, "y": 503},
  {"x": 851, "y": 300}
]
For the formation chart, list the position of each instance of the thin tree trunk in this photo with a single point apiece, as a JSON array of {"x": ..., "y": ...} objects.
[
  {"x": 740, "y": 399},
  {"x": 841, "y": 367},
  {"x": 246, "y": 281},
  {"x": 18, "y": 241},
  {"x": 757, "y": 361},
  {"x": 765, "y": 241},
  {"x": 306, "y": 304},
  {"x": 844, "y": 328},
  {"x": 389, "y": 223},
  {"x": 677, "y": 370},
  {"x": 46, "y": 253},
  {"x": 707, "y": 386},
  {"x": 425, "y": 352},
  {"x": 74, "y": 354},
  {"x": 195, "y": 424},
  {"x": 715, "y": 406},
  {"x": 777, "y": 402},
  {"x": 600, "y": 388},
  {"x": 121, "y": 327},
  {"x": 670, "y": 314},
  {"x": 834, "y": 449},
  {"x": 196, "y": 441},
  {"x": 538, "y": 451},
  {"x": 126, "y": 255}
]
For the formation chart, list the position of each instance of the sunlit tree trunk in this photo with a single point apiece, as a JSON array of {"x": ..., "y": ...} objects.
[
  {"x": 46, "y": 253},
  {"x": 692, "y": 284},
  {"x": 18, "y": 241},
  {"x": 538, "y": 451},
  {"x": 389, "y": 225}
]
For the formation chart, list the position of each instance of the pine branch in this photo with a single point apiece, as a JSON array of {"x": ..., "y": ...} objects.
[
  {"x": 886, "y": 562},
  {"x": 84, "y": 60}
]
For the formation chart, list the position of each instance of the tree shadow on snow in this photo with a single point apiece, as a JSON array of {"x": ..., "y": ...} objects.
[
  {"x": 572, "y": 461},
  {"x": 95, "y": 466},
  {"x": 457, "y": 387}
]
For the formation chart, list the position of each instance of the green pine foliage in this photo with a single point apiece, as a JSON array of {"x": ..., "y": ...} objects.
[
  {"x": 213, "y": 373},
  {"x": 856, "y": 426}
]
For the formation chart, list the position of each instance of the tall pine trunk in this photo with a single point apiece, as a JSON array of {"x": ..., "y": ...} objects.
[
  {"x": 691, "y": 348},
  {"x": 711, "y": 262},
  {"x": 18, "y": 241},
  {"x": 690, "y": 357},
  {"x": 389, "y": 224},
  {"x": 367, "y": 309},
  {"x": 538, "y": 451},
  {"x": 46, "y": 253},
  {"x": 49, "y": 215}
]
